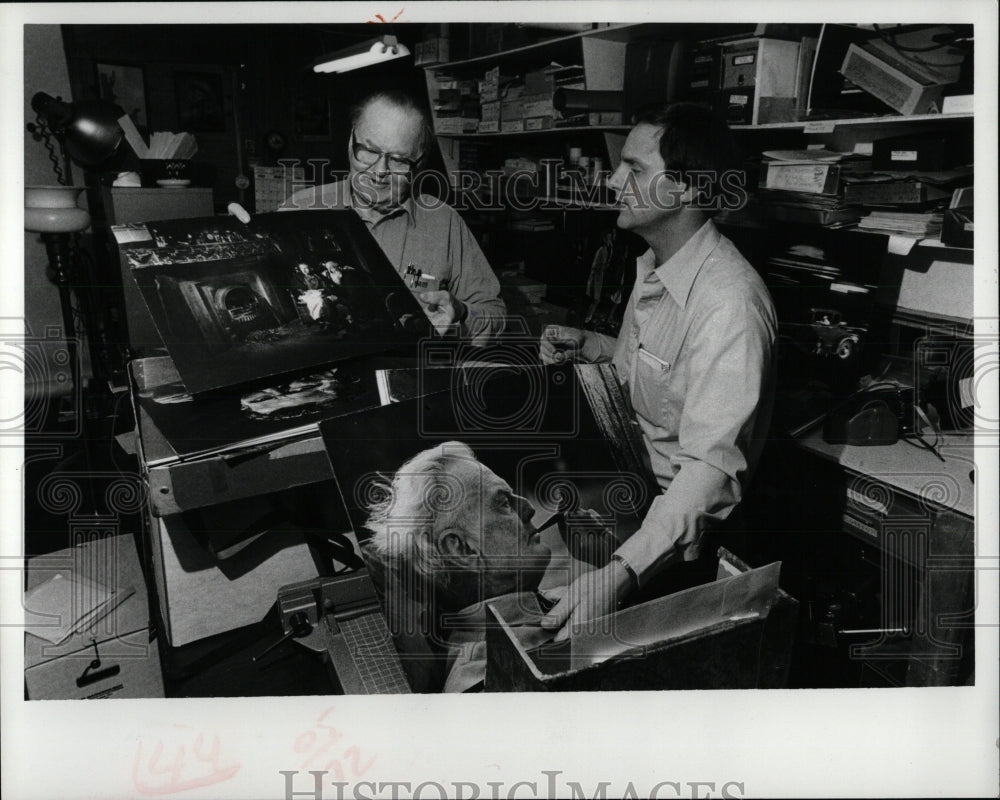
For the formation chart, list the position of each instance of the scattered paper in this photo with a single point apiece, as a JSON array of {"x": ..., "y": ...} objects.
[
  {"x": 55, "y": 608},
  {"x": 165, "y": 145},
  {"x": 133, "y": 137},
  {"x": 808, "y": 155},
  {"x": 901, "y": 245},
  {"x": 131, "y": 232}
]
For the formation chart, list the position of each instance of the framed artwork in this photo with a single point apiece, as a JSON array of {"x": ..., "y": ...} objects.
[
  {"x": 124, "y": 85},
  {"x": 312, "y": 115},
  {"x": 239, "y": 304},
  {"x": 200, "y": 106}
]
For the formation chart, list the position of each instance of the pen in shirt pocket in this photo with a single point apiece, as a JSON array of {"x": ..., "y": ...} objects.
[{"x": 653, "y": 359}]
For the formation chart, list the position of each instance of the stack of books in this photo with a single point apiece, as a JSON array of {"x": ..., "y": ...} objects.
[
  {"x": 910, "y": 190},
  {"x": 808, "y": 186},
  {"x": 918, "y": 225}
]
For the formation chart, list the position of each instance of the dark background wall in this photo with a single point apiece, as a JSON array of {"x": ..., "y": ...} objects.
[{"x": 265, "y": 76}]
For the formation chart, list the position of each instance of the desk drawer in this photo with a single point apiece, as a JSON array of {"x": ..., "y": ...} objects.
[{"x": 896, "y": 523}]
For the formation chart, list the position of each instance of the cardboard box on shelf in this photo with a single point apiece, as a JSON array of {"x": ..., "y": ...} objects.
[
  {"x": 448, "y": 125},
  {"x": 511, "y": 109},
  {"x": 537, "y": 105},
  {"x": 489, "y": 111},
  {"x": 489, "y": 87},
  {"x": 605, "y": 118},
  {"x": 432, "y": 51},
  {"x": 759, "y": 81},
  {"x": 538, "y": 123},
  {"x": 539, "y": 81},
  {"x": 899, "y": 82},
  {"x": 800, "y": 176}
]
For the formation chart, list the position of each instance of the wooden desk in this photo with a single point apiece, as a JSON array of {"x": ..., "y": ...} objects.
[
  {"x": 917, "y": 514},
  {"x": 910, "y": 469}
]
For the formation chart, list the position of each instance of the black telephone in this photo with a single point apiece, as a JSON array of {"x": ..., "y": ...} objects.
[{"x": 871, "y": 417}]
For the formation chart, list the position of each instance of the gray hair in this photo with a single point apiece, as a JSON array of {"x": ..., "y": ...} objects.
[
  {"x": 402, "y": 521},
  {"x": 407, "y": 102}
]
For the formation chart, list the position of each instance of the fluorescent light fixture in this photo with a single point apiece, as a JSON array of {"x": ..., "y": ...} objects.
[{"x": 374, "y": 51}]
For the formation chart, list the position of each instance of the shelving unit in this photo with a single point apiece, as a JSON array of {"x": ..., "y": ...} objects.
[
  {"x": 817, "y": 125},
  {"x": 603, "y": 54},
  {"x": 607, "y": 65},
  {"x": 545, "y": 132},
  {"x": 620, "y": 33}
]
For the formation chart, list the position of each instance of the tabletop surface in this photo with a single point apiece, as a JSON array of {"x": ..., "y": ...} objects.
[{"x": 912, "y": 469}]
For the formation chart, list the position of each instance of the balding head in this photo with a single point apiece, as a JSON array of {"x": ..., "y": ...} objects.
[
  {"x": 402, "y": 106},
  {"x": 391, "y": 135},
  {"x": 451, "y": 520}
]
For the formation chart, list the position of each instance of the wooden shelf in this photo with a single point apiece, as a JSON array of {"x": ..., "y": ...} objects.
[
  {"x": 543, "y": 131},
  {"x": 552, "y": 203},
  {"x": 614, "y": 32},
  {"x": 853, "y": 121},
  {"x": 564, "y": 202},
  {"x": 623, "y": 32}
]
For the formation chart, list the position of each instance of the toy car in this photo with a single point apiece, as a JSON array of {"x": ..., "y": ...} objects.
[{"x": 826, "y": 334}]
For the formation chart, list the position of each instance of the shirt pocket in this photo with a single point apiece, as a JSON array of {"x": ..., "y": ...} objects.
[{"x": 653, "y": 390}]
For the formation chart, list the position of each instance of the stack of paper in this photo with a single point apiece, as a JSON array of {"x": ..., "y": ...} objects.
[
  {"x": 922, "y": 226},
  {"x": 813, "y": 154},
  {"x": 910, "y": 188},
  {"x": 175, "y": 146},
  {"x": 67, "y": 603},
  {"x": 162, "y": 144},
  {"x": 808, "y": 186}
]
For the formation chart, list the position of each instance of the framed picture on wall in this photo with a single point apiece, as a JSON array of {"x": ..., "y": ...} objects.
[
  {"x": 124, "y": 85},
  {"x": 200, "y": 105},
  {"x": 312, "y": 115}
]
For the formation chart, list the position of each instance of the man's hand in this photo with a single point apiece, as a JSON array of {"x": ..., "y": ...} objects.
[
  {"x": 587, "y": 537},
  {"x": 594, "y": 594},
  {"x": 443, "y": 308},
  {"x": 560, "y": 344}
]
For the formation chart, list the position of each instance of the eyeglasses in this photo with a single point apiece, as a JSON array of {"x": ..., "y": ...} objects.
[{"x": 370, "y": 158}]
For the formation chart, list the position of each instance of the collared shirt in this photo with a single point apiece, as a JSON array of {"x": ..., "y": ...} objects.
[
  {"x": 467, "y": 642},
  {"x": 430, "y": 235},
  {"x": 696, "y": 351}
]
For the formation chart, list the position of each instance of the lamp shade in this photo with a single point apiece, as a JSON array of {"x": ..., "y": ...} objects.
[
  {"x": 366, "y": 54},
  {"x": 89, "y": 129}
]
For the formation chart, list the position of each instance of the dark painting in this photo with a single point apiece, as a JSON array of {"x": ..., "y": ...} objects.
[
  {"x": 237, "y": 304},
  {"x": 200, "y": 106}
]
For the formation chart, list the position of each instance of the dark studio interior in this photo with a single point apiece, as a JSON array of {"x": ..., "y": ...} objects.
[{"x": 855, "y": 209}]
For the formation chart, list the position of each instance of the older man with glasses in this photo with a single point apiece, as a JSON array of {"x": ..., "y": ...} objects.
[{"x": 390, "y": 140}]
